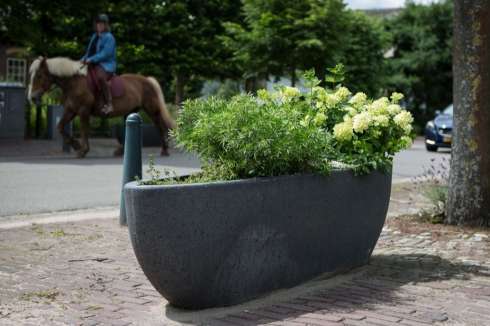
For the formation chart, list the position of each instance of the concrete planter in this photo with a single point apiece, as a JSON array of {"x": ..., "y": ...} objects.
[{"x": 223, "y": 243}]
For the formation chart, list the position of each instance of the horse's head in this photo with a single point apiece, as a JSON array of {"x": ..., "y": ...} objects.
[
  {"x": 45, "y": 72},
  {"x": 40, "y": 79}
]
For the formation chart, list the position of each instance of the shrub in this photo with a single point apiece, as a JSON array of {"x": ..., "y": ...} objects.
[
  {"x": 246, "y": 137},
  {"x": 288, "y": 131}
]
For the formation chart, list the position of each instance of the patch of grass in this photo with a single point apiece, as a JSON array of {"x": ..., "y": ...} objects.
[
  {"x": 94, "y": 307},
  {"x": 93, "y": 237},
  {"x": 434, "y": 185},
  {"x": 58, "y": 233},
  {"x": 38, "y": 229},
  {"x": 44, "y": 294}
]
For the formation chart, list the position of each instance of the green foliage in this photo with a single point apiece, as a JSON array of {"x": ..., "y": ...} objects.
[
  {"x": 434, "y": 185},
  {"x": 246, "y": 137},
  {"x": 365, "y": 43},
  {"x": 367, "y": 133},
  {"x": 335, "y": 75},
  {"x": 279, "y": 37},
  {"x": 422, "y": 63},
  {"x": 162, "y": 39},
  {"x": 286, "y": 132}
]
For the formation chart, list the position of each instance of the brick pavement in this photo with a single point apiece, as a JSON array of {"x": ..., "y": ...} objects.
[{"x": 85, "y": 273}]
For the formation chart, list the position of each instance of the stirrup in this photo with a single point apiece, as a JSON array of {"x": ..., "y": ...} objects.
[{"x": 107, "y": 108}]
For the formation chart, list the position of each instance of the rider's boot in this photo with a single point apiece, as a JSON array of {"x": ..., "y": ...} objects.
[{"x": 107, "y": 108}]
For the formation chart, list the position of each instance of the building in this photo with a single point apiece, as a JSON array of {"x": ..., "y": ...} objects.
[
  {"x": 383, "y": 13},
  {"x": 13, "y": 64}
]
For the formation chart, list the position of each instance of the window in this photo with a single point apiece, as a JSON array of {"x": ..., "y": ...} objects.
[{"x": 16, "y": 70}]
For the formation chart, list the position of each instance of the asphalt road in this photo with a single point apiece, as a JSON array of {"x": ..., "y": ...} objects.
[{"x": 31, "y": 185}]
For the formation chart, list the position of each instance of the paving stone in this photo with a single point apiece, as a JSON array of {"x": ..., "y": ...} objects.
[{"x": 413, "y": 279}]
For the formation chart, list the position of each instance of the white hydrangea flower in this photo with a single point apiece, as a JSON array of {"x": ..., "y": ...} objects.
[
  {"x": 287, "y": 94},
  {"x": 407, "y": 129},
  {"x": 263, "y": 94},
  {"x": 320, "y": 105},
  {"x": 394, "y": 109},
  {"x": 380, "y": 106},
  {"x": 350, "y": 111},
  {"x": 362, "y": 121},
  {"x": 404, "y": 120},
  {"x": 396, "y": 97},
  {"x": 343, "y": 93},
  {"x": 381, "y": 120},
  {"x": 290, "y": 92},
  {"x": 319, "y": 90},
  {"x": 327, "y": 100},
  {"x": 319, "y": 119},
  {"x": 358, "y": 100},
  {"x": 343, "y": 131}
]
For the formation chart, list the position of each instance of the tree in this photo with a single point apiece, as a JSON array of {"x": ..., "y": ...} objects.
[
  {"x": 469, "y": 182},
  {"x": 422, "y": 62},
  {"x": 363, "y": 50},
  {"x": 183, "y": 36},
  {"x": 175, "y": 41},
  {"x": 278, "y": 37}
]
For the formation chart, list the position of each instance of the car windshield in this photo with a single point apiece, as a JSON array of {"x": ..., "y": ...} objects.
[{"x": 448, "y": 110}]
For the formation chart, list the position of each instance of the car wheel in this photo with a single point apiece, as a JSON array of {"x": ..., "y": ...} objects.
[{"x": 431, "y": 148}]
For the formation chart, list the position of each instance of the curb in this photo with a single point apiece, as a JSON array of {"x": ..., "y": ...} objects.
[{"x": 19, "y": 221}]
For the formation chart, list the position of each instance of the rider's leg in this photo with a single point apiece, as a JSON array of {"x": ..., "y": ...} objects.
[{"x": 106, "y": 92}]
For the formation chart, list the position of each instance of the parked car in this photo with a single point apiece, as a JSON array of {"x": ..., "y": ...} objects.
[{"x": 438, "y": 132}]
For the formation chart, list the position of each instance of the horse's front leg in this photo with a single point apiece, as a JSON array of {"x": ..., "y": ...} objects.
[
  {"x": 84, "y": 131},
  {"x": 67, "y": 138}
]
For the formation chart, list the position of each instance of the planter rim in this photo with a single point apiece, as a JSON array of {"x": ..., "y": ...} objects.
[{"x": 135, "y": 185}]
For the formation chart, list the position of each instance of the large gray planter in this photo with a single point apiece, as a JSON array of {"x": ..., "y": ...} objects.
[{"x": 222, "y": 243}]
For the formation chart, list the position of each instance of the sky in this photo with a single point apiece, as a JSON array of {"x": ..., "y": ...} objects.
[{"x": 377, "y": 4}]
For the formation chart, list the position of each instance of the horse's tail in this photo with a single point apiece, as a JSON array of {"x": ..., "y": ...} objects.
[{"x": 167, "y": 118}]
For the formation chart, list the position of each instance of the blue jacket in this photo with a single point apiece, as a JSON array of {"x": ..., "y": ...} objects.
[{"x": 105, "y": 54}]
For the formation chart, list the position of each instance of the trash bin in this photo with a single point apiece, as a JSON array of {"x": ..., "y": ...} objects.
[
  {"x": 12, "y": 110},
  {"x": 54, "y": 115}
]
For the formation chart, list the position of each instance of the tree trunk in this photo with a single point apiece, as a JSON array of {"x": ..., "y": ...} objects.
[
  {"x": 38, "y": 120},
  {"x": 179, "y": 88},
  {"x": 469, "y": 182},
  {"x": 250, "y": 84},
  {"x": 293, "y": 76},
  {"x": 28, "y": 130}
]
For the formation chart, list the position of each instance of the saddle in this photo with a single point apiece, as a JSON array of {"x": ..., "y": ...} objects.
[{"x": 116, "y": 85}]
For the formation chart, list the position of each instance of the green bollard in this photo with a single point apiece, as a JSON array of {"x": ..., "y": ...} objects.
[{"x": 132, "y": 158}]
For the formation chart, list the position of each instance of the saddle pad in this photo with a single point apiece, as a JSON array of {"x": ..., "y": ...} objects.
[{"x": 116, "y": 85}]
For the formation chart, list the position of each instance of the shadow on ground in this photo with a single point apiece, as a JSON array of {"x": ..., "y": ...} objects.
[{"x": 382, "y": 282}]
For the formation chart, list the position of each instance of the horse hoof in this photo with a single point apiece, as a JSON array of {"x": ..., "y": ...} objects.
[
  {"x": 76, "y": 145},
  {"x": 164, "y": 152},
  {"x": 119, "y": 152},
  {"x": 81, "y": 154}
]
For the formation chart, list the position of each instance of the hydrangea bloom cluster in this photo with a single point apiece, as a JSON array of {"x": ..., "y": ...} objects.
[
  {"x": 378, "y": 115},
  {"x": 361, "y": 129}
]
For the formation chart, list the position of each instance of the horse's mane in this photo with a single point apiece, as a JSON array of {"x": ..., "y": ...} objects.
[{"x": 60, "y": 67}]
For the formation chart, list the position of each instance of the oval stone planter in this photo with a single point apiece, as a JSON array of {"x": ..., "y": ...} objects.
[{"x": 223, "y": 243}]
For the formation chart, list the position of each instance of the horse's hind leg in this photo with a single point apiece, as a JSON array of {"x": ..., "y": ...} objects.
[
  {"x": 67, "y": 138},
  {"x": 162, "y": 128},
  {"x": 84, "y": 130}
]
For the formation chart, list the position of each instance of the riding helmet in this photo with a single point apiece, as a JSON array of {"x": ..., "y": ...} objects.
[{"x": 102, "y": 18}]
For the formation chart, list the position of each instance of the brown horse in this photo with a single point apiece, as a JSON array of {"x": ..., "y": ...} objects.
[{"x": 77, "y": 99}]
